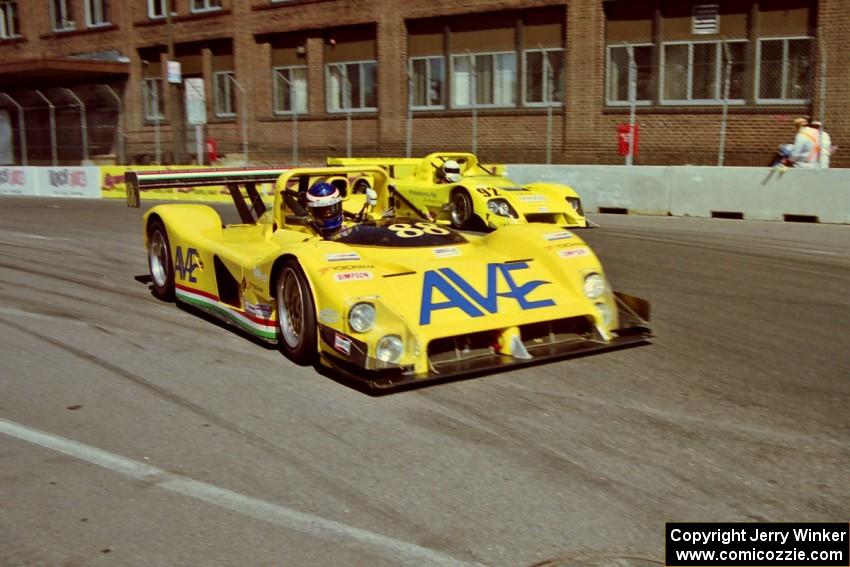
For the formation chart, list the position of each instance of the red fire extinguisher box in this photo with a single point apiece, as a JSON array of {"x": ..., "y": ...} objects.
[{"x": 623, "y": 139}]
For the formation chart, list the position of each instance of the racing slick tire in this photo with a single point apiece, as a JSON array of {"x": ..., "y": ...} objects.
[
  {"x": 462, "y": 212},
  {"x": 160, "y": 263},
  {"x": 296, "y": 314}
]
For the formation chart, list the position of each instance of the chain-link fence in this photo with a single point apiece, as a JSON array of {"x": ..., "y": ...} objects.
[
  {"x": 712, "y": 102},
  {"x": 719, "y": 102},
  {"x": 62, "y": 125}
]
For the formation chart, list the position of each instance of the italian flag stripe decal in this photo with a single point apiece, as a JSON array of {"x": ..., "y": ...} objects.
[{"x": 263, "y": 328}]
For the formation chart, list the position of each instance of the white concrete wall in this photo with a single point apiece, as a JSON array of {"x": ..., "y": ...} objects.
[{"x": 759, "y": 193}]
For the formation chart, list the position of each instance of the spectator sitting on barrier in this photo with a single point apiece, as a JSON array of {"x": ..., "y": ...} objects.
[
  {"x": 825, "y": 143},
  {"x": 806, "y": 149}
]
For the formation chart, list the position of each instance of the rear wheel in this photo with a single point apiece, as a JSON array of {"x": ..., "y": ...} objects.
[
  {"x": 296, "y": 314},
  {"x": 159, "y": 261},
  {"x": 462, "y": 211}
]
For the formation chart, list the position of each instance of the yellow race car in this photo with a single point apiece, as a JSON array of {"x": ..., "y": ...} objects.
[
  {"x": 454, "y": 187},
  {"x": 389, "y": 297}
]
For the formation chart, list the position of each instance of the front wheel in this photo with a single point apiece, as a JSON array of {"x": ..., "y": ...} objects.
[
  {"x": 462, "y": 211},
  {"x": 159, "y": 261},
  {"x": 296, "y": 314}
]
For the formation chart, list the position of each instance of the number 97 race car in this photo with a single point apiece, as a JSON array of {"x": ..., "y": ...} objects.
[
  {"x": 475, "y": 195},
  {"x": 390, "y": 298}
]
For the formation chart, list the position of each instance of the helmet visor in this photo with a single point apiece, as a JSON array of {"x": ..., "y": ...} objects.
[{"x": 327, "y": 211}]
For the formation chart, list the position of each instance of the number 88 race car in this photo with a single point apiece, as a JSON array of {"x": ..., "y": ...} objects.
[{"x": 391, "y": 298}]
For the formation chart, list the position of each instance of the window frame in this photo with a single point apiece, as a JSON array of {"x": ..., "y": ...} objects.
[
  {"x": 785, "y": 62},
  {"x": 553, "y": 104},
  {"x": 8, "y": 16},
  {"x": 474, "y": 80},
  {"x": 689, "y": 101},
  {"x": 208, "y": 7},
  {"x": 442, "y": 58},
  {"x": 613, "y": 102},
  {"x": 344, "y": 65},
  {"x": 275, "y": 87},
  {"x": 88, "y": 8},
  {"x": 67, "y": 10},
  {"x": 158, "y": 96},
  {"x": 153, "y": 16},
  {"x": 229, "y": 95}
]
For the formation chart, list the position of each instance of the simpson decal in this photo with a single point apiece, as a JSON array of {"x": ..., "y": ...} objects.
[
  {"x": 573, "y": 252},
  {"x": 353, "y": 276},
  {"x": 562, "y": 235}
]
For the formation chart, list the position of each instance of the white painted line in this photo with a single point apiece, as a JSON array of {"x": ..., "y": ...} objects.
[{"x": 403, "y": 552}]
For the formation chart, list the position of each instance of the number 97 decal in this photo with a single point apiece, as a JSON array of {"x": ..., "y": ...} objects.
[{"x": 405, "y": 230}]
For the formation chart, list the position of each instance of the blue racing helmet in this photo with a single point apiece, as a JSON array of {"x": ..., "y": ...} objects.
[{"x": 325, "y": 205}]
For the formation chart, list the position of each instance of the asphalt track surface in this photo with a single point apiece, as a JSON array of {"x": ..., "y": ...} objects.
[{"x": 133, "y": 432}]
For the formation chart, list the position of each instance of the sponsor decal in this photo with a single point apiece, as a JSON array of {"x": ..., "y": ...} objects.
[
  {"x": 329, "y": 316},
  {"x": 353, "y": 276},
  {"x": 542, "y": 209},
  {"x": 262, "y": 310},
  {"x": 531, "y": 198},
  {"x": 185, "y": 265},
  {"x": 259, "y": 274},
  {"x": 13, "y": 181},
  {"x": 573, "y": 252},
  {"x": 342, "y": 344},
  {"x": 343, "y": 257},
  {"x": 456, "y": 290},
  {"x": 345, "y": 268},
  {"x": 446, "y": 252},
  {"x": 562, "y": 235}
]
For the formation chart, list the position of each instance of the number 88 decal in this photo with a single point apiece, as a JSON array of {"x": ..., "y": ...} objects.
[{"x": 405, "y": 230}]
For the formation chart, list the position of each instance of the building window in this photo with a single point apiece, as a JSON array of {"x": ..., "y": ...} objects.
[
  {"x": 543, "y": 83},
  {"x": 428, "y": 76},
  {"x": 352, "y": 86},
  {"x": 8, "y": 20},
  {"x": 484, "y": 80},
  {"x": 224, "y": 94},
  {"x": 692, "y": 72},
  {"x": 97, "y": 13},
  {"x": 617, "y": 77},
  {"x": 156, "y": 8},
  {"x": 705, "y": 19},
  {"x": 60, "y": 15},
  {"x": 152, "y": 99},
  {"x": 289, "y": 90},
  {"x": 205, "y": 5},
  {"x": 785, "y": 67}
]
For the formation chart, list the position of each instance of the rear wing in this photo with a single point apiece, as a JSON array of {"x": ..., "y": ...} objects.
[{"x": 233, "y": 179}]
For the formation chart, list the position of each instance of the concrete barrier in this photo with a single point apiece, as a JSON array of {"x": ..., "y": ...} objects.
[{"x": 756, "y": 193}]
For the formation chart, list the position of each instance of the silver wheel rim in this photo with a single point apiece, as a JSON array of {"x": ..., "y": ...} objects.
[
  {"x": 158, "y": 256},
  {"x": 290, "y": 307},
  {"x": 460, "y": 210}
]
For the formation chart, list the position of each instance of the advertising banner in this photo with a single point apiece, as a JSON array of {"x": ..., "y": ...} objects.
[
  {"x": 69, "y": 182},
  {"x": 17, "y": 180}
]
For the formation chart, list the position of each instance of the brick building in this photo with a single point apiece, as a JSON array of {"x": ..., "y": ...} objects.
[{"x": 527, "y": 76}]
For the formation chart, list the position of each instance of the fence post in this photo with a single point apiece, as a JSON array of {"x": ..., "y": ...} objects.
[
  {"x": 822, "y": 102},
  {"x": 547, "y": 99},
  {"x": 244, "y": 118},
  {"x": 409, "y": 142},
  {"x": 473, "y": 86},
  {"x": 22, "y": 128},
  {"x": 120, "y": 136},
  {"x": 84, "y": 131},
  {"x": 53, "y": 150},
  {"x": 346, "y": 100},
  {"x": 721, "y": 155},
  {"x": 632, "y": 103}
]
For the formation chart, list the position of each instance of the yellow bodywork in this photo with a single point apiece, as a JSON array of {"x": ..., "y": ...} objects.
[
  {"x": 418, "y": 180},
  {"x": 429, "y": 285}
]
